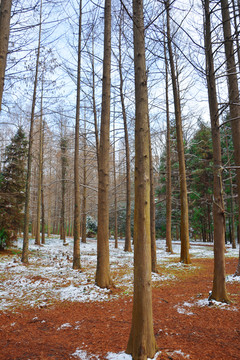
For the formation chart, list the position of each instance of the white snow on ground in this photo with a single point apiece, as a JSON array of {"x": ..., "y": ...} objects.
[
  {"x": 49, "y": 276},
  {"x": 232, "y": 278},
  {"x": 184, "y": 308},
  {"x": 83, "y": 355}
]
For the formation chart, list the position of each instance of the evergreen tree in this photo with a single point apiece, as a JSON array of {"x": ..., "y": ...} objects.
[
  {"x": 200, "y": 168},
  {"x": 12, "y": 184}
]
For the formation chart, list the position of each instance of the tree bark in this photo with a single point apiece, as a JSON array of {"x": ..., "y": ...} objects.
[
  {"x": 84, "y": 200},
  {"x": 103, "y": 268},
  {"x": 219, "y": 286},
  {"x": 232, "y": 229},
  {"x": 24, "y": 258},
  {"x": 127, "y": 246},
  {"x": 233, "y": 90},
  {"x": 76, "y": 231},
  {"x": 141, "y": 343},
  {"x": 115, "y": 187},
  {"x": 63, "y": 146},
  {"x": 40, "y": 158},
  {"x": 5, "y": 16},
  {"x": 152, "y": 211},
  {"x": 184, "y": 231},
  {"x": 168, "y": 175},
  {"x": 42, "y": 189}
]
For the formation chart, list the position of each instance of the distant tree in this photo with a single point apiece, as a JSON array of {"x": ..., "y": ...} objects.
[
  {"x": 168, "y": 163},
  {"x": 76, "y": 231},
  {"x": 30, "y": 146},
  {"x": 184, "y": 233},
  {"x": 63, "y": 146},
  {"x": 12, "y": 184},
  {"x": 200, "y": 168}
]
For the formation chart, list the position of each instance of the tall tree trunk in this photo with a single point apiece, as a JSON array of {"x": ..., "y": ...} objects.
[
  {"x": 30, "y": 143},
  {"x": 94, "y": 100},
  {"x": 84, "y": 200},
  {"x": 42, "y": 189},
  {"x": 232, "y": 90},
  {"x": 168, "y": 175},
  {"x": 127, "y": 246},
  {"x": 76, "y": 232},
  {"x": 40, "y": 158},
  {"x": 219, "y": 286},
  {"x": 115, "y": 187},
  {"x": 5, "y": 16},
  {"x": 63, "y": 146},
  {"x": 152, "y": 210},
  {"x": 103, "y": 268},
  {"x": 184, "y": 231},
  {"x": 49, "y": 200},
  {"x": 141, "y": 343},
  {"x": 231, "y": 200}
]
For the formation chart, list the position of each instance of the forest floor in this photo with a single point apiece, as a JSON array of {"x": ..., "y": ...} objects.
[{"x": 49, "y": 311}]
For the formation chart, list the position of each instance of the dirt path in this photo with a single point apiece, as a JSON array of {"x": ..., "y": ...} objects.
[{"x": 197, "y": 333}]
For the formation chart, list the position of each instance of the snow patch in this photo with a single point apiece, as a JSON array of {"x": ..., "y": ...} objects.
[
  {"x": 64, "y": 326},
  {"x": 232, "y": 279},
  {"x": 83, "y": 355}
]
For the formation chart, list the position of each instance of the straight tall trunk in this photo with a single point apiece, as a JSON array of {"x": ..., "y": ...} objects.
[
  {"x": 94, "y": 101},
  {"x": 24, "y": 258},
  {"x": 63, "y": 146},
  {"x": 141, "y": 343},
  {"x": 39, "y": 191},
  {"x": 76, "y": 231},
  {"x": 49, "y": 200},
  {"x": 152, "y": 211},
  {"x": 168, "y": 175},
  {"x": 115, "y": 187},
  {"x": 184, "y": 231},
  {"x": 219, "y": 286},
  {"x": 231, "y": 200},
  {"x": 84, "y": 200},
  {"x": 42, "y": 190},
  {"x": 5, "y": 17},
  {"x": 233, "y": 91},
  {"x": 103, "y": 267},
  {"x": 127, "y": 246}
]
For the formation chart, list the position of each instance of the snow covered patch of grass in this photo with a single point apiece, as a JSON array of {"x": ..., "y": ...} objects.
[
  {"x": 232, "y": 279},
  {"x": 179, "y": 352},
  {"x": 124, "y": 356},
  {"x": 83, "y": 355},
  {"x": 49, "y": 277},
  {"x": 64, "y": 326},
  {"x": 84, "y": 293},
  {"x": 184, "y": 308},
  {"x": 119, "y": 356},
  {"x": 161, "y": 278}
]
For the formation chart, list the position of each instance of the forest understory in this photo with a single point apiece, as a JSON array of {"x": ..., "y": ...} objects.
[{"x": 60, "y": 314}]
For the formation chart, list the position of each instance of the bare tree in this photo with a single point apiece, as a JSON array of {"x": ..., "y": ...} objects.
[
  {"x": 141, "y": 343},
  {"x": 219, "y": 286},
  {"x": 30, "y": 144},
  {"x": 103, "y": 269},
  {"x": 184, "y": 234},
  {"x": 76, "y": 231},
  {"x": 233, "y": 92}
]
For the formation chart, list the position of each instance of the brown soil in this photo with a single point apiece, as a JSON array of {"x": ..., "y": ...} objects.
[{"x": 101, "y": 327}]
